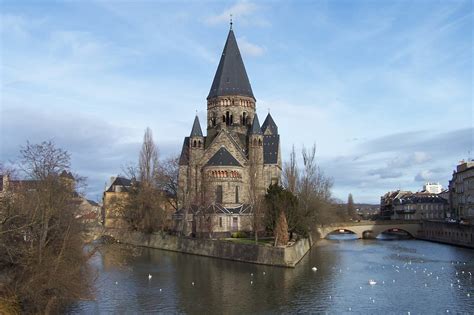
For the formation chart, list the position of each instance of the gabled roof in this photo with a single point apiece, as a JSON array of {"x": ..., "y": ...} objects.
[
  {"x": 196, "y": 131},
  {"x": 269, "y": 124},
  {"x": 231, "y": 77},
  {"x": 271, "y": 144},
  {"x": 256, "y": 130},
  {"x": 223, "y": 158},
  {"x": 120, "y": 181}
]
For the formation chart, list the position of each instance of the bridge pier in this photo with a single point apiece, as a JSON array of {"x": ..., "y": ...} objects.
[{"x": 368, "y": 235}]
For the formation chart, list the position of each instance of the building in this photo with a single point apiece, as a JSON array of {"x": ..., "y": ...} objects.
[
  {"x": 113, "y": 199},
  {"x": 222, "y": 173},
  {"x": 422, "y": 205},
  {"x": 461, "y": 191},
  {"x": 419, "y": 206},
  {"x": 433, "y": 188},
  {"x": 386, "y": 203},
  {"x": 87, "y": 211}
]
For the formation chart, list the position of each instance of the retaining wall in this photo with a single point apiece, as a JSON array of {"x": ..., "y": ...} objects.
[
  {"x": 257, "y": 254},
  {"x": 449, "y": 233}
]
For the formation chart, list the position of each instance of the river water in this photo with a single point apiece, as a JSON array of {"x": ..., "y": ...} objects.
[{"x": 412, "y": 277}]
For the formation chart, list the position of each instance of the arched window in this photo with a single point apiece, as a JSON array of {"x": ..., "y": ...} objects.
[
  {"x": 194, "y": 143},
  {"x": 244, "y": 118},
  {"x": 199, "y": 143},
  {"x": 254, "y": 142},
  {"x": 227, "y": 118},
  {"x": 260, "y": 142}
]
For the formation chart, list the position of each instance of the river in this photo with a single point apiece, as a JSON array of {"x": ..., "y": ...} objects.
[{"x": 412, "y": 277}]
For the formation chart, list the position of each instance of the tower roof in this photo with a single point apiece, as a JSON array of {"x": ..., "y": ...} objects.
[
  {"x": 269, "y": 123},
  {"x": 223, "y": 158},
  {"x": 231, "y": 77},
  {"x": 256, "y": 130},
  {"x": 196, "y": 131}
]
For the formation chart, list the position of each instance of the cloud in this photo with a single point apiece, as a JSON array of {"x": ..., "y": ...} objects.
[
  {"x": 243, "y": 11},
  {"x": 424, "y": 176},
  {"x": 250, "y": 49},
  {"x": 385, "y": 173}
]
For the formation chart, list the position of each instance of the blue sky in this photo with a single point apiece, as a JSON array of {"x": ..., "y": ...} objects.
[{"x": 384, "y": 88}]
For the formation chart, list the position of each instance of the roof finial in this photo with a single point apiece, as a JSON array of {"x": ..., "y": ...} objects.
[
  {"x": 268, "y": 110},
  {"x": 231, "y": 22}
]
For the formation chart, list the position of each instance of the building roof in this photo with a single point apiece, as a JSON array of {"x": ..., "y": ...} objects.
[
  {"x": 67, "y": 175},
  {"x": 269, "y": 124},
  {"x": 256, "y": 130},
  {"x": 231, "y": 77},
  {"x": 196, "y": 131},
  {"x": 184, "y": 157},
  {"x": 223, "y": 158},
  {"x": 420, "y": 198},
  {"x": 120, "y": 181},
  {"x": 271, "y": 149}
]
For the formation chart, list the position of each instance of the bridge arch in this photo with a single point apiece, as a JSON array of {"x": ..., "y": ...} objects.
[{"x": 395, "y": 230}]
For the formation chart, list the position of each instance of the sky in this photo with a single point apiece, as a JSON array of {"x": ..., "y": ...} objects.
[{"x": 383, "y": 88}]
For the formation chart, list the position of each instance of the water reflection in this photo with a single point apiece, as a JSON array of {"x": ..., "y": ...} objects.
[{"x": 412, "y": 276}]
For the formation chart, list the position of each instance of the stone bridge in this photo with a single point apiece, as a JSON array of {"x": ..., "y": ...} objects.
[{"x": 371, "y": 229}]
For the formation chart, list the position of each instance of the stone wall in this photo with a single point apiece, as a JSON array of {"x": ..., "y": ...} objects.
[
  {"x": 449, "y": 233},
  {"x": 258, "y": 254}
]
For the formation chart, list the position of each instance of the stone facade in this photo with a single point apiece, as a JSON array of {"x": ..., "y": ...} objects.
[
  {"x": 233, "y": 165},
  {"x": 461, "y": 192}
]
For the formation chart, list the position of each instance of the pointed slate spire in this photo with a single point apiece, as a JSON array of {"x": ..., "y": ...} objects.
[
  {"x": 269, "y": 124},
  {"x": 256, "y": 130},
  {"x": 196, "y": 131},
  {"x": 231, "y": 77}
]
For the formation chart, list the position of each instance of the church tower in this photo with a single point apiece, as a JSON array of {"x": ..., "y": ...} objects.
[
  {"x": 224, "y": 171},
  {"x": 230, "y": 103}
]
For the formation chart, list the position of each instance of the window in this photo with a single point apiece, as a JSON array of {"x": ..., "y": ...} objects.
[
  {"x": 220, "y": 221},
  {"x": 236, "y": 194},
  {"x": 219, "y": 194}
]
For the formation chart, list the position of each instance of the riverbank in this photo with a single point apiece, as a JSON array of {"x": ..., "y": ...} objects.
[
  {"x": 257, "y": 254},
  {"x": 448, "y": 233}
]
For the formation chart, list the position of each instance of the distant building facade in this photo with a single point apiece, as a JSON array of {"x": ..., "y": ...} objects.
[
  {"x": 226, "y": 170},
  {"x": 407, "y": 205},
  {"x": 419, "y": 206},
  {"x": 433, "y": 188},
  {"x": 115, "y": 195},
  {"x": 461, "y": 191}
]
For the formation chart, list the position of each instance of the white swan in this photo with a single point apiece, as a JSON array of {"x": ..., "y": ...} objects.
[
  {"x": 372, "y": 282},
  {"x": 149, "y": 276},
  {"x": 314, "y": 269}
]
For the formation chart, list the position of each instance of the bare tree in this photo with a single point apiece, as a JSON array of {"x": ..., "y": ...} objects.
[
  {"x": 168, "y": 179},
  {"x": 291, "y": 175},
  {"x": 148, "y": 159},
  {"x": 144, "y": 208},
  {"x": 255, "y": 198},
  {"x": 41, "y": 253}
]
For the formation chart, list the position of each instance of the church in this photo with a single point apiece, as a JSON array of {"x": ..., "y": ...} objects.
[{"x": 222, "y": 174}]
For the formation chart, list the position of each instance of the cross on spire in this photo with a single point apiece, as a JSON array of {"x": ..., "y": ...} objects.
[{"x": 231, "y": 22}]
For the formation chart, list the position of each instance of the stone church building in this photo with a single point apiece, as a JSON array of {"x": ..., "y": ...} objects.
[{"x": 223, "y": 173}]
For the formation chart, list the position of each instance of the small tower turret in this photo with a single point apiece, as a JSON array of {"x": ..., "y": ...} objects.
[
  {"x": 196, "y": 139},
  {"x": 256, "y": 155}
]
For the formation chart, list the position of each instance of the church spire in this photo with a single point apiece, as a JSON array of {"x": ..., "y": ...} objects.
[
  {"x": 196, "y": 131},
  {"x": 256, "y": 130},
  {"x": 231, "y": 77}
]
